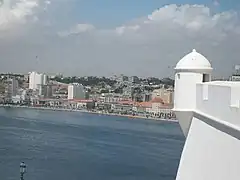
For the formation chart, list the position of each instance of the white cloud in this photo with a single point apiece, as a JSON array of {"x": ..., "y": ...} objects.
[
  {"x": 79, "y": 28},
  {"x": 190, "y": 18},
  {"x": 122, "y": 29},
  {"x": 146, "y": 46},
  {"x": 16, "y": 11},
  {"x": 47, "y": 2}
]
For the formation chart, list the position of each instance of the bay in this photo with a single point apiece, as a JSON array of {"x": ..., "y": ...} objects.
[{"x": 81, "y": 146}]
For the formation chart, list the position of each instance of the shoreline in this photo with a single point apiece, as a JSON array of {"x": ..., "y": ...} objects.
[
  {"x": 89, "y": 112},
  {"x": 134, "y": 117}
]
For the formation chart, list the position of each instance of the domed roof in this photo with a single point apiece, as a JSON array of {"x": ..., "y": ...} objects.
[{"x": 194, "y": 60}]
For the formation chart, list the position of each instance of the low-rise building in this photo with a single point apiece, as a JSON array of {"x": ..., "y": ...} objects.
[
  {"x": 81, "y": 103},
  {"x": 155, "y": 108}
]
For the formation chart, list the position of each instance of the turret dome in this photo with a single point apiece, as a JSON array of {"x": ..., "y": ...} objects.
[{"x": 193, "y": 61}]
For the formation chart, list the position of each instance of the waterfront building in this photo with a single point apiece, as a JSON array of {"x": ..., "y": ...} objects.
[
  {"x": 165, "y": 94},
  {"x": 81, "y": 104},
  {"x": 76, "y": 91},
  {"x": 16, "y": 99},
  {"x": 125, "y": 108},
  {"x": 157, "y": 104},
  {"x": 142, "y": 107}
]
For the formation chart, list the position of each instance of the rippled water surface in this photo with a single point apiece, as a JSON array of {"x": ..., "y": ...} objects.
[{"x": 80, "y": 146}]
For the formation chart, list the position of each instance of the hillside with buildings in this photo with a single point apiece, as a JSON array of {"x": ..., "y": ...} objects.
[
  {"x": 149, "y": 97},
  {"x": 118, "y": 94}
]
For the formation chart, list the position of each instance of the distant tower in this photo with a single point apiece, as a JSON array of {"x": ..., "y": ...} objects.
[
  {"x": 12, "y": 87},
  {"x": 191, "y": 69}
]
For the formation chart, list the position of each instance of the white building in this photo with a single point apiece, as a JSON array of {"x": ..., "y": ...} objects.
[
  {"x": 33, "y": 76},
  {"x": 44, "y": 79},
  {"x": 36, "y": 81},
  {"x": 209, "y": 115},
  {"x": 76, "y": 91}
]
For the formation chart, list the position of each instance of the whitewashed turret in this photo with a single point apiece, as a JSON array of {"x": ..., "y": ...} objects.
[{"x": 191, "y": 69}]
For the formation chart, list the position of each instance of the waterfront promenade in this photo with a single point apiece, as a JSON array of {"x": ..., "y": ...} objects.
[{"x": 86, "y": 111}]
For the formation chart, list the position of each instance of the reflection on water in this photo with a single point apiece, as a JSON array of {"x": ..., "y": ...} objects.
[{"x": 80, "y": 146}]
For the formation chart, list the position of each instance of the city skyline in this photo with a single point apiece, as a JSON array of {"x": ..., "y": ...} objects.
[{"x": 85, "y": 38}]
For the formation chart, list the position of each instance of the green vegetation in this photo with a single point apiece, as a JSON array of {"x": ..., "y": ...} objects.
[
  {"x": 88, "y": 81},
  {"x": 102, "y": 81}
]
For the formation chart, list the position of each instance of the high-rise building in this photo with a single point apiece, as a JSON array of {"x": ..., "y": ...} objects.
[
  {"x": 12, "y": 87},
  {"x": 46, "y": 91},
  {"x": 76, "y": 91},
  {"x": 32, "y": 77},
  {"x": 37, "y": 80},
  {"x": 44, "y": 79}
]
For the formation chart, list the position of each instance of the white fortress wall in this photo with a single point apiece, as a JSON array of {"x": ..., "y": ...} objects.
[
  {"x": 219, "y": 101},
  {"x": 209, "y": 154},
  {"x": 212, "y": 146},
  {"x": 209, "y": 115}
]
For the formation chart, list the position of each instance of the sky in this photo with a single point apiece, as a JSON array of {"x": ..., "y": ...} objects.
[{"x": 106, "y": 37}]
